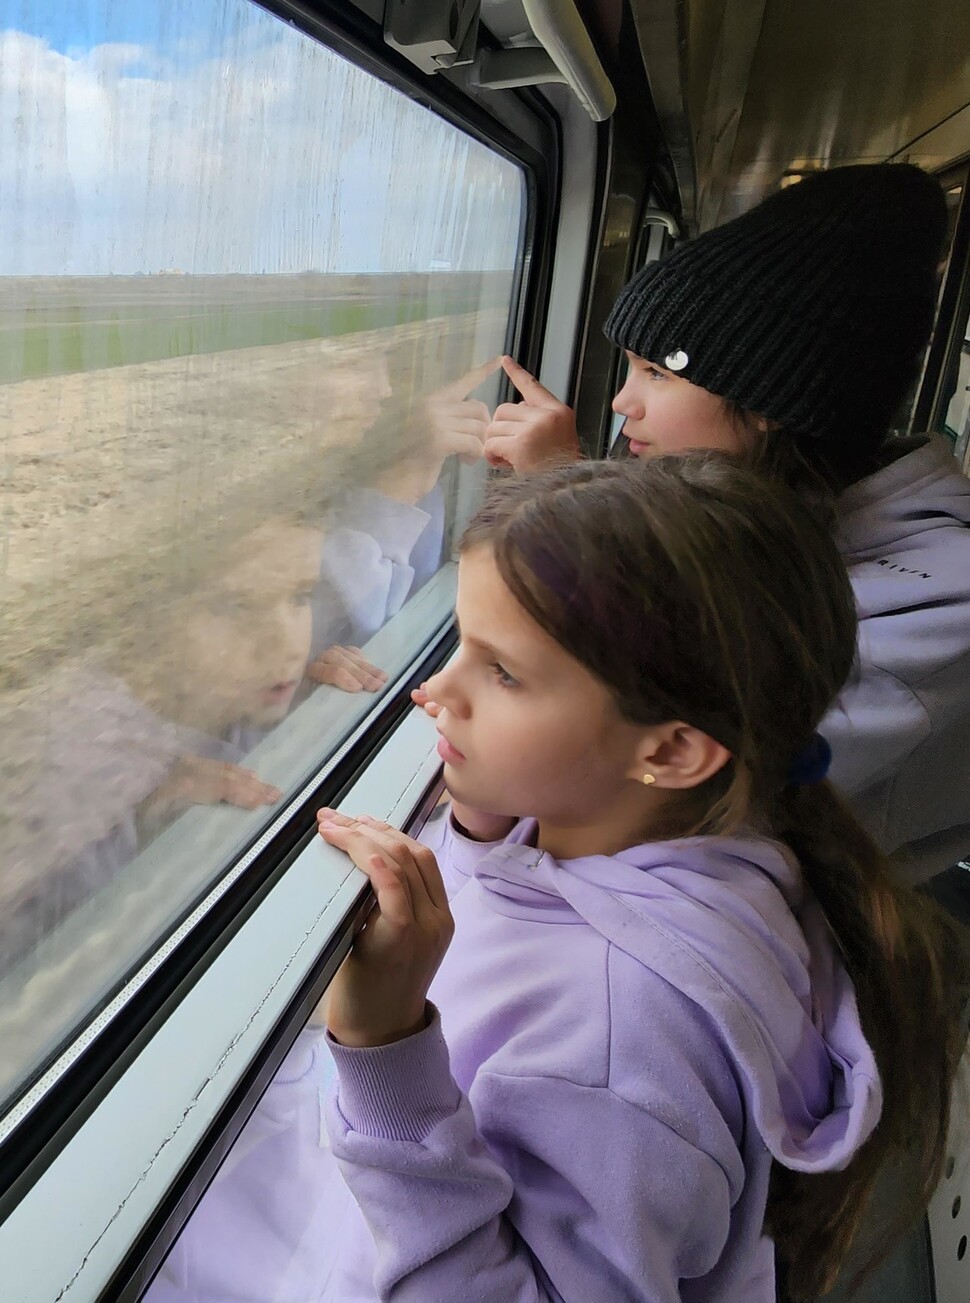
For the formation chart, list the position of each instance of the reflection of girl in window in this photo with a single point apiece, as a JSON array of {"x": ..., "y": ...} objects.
[
  {"x": 214, "y": 646},
  {"x": 386, "y": 534}
]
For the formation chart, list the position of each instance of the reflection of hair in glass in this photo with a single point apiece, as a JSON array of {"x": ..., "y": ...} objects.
[{"x": 697, "y": 591}]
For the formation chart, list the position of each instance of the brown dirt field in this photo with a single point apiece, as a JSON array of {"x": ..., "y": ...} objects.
[{"x": 110, "y": 478}]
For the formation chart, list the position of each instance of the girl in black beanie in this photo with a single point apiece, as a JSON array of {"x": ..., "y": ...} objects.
[
  {"x": 791, "y": 335},
  {"x": 805, "y": 318}
]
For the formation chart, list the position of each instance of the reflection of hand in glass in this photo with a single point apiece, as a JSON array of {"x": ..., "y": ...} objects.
[
  {"x": 455, "y": 426},
  {"x": 458, "y": 423},
  {"x": 346, "y": 668},
  {"x": 196, "y": 780}
]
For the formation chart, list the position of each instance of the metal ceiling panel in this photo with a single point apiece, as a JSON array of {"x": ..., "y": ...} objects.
[{"x": 768, "y": 86}]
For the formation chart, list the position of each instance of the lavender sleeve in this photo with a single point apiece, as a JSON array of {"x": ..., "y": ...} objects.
[{"x": 603, "y": 1202}]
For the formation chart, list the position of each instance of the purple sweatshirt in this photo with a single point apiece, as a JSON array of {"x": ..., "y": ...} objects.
[
  {"x": 901, "y": 731},
  {"x": 623, "y": 1045}
]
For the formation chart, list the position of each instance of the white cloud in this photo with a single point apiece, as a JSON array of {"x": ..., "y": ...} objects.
[{"x": 265, "y": 153}]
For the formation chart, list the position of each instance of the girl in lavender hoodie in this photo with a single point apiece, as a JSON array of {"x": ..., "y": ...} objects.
[{"x": 682, "y": 993}]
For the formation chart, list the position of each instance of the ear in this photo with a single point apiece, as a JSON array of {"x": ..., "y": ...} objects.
[
  {"x": 765, "y": 425},
  {"x": 678, "y": 756},
  {"x": 755, "y": 423}
]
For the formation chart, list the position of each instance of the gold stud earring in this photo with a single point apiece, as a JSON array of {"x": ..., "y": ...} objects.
[{"x": 648, "y": 778}]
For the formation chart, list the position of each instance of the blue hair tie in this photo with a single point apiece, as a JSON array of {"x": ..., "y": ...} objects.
[{"x": 811, "y": 765}]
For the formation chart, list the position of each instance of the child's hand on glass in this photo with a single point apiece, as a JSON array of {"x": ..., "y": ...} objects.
[
  {"x": 380, "y": 993},
  {"x": 538, "y": 432},
  {"x": 346, "y": 668}
]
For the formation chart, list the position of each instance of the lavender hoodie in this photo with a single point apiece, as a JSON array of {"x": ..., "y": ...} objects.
[
  {"x": 901, "y": 731},
  {"x": 623, "y": 1045}
]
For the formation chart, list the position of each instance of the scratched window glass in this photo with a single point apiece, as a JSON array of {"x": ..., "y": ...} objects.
[{"x": 251, "y": 303}]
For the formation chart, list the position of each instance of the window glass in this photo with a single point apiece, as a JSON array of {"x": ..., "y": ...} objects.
[
  {"x": 957, "y": 419},
  {"x": 953, "y": 193},
  {"x": 278, "y": 1222},
  {"x": 252, "y": 300},
  {"x": 954, "y": 402}
]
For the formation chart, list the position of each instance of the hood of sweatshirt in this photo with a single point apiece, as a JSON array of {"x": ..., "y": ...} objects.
[
  {"x": 911, "y": 505},
  {"x": 727, "y": 922}
]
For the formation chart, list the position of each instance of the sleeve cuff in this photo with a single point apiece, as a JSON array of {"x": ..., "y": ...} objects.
[{"x": 400, "y": 1091}]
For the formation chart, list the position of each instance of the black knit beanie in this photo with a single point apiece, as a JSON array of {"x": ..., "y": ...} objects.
[{"x": 813, "y": 309}]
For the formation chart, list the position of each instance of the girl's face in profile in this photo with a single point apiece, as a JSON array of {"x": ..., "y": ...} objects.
[
  {"x": 525, "y": 727},
  {"x": 244, "y": 638},
  {"x": 667, "y": 414}
]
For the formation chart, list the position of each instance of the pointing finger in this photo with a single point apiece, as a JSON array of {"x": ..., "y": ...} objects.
[{"x": 535, "y": 395}]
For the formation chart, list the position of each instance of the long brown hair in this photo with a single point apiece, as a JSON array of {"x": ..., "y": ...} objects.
[
  {"x": 817, "y": 469},
  {"x": 695, "y": 590}
]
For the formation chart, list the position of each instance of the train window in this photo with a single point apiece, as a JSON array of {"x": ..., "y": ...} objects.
[
  {"x": 277, "y": 1220},
  {"x": 253, "y": 299},
  {"x": 958, "y": 409},
  {"x": 953, "y": 406},
  {"x": 938, "y": 400},
  {"x": 953, "y": 194},
  {"x": 953, "y": 403}
]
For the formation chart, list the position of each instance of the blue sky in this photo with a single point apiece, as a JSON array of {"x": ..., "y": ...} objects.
[
  {"x": 77, "y": 25},
  {"x": 70, "y": 26},
  {"x": 208, "y": 136}
]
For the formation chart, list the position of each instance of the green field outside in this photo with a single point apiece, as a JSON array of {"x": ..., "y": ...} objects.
[{"x": 60, "y": 338}]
